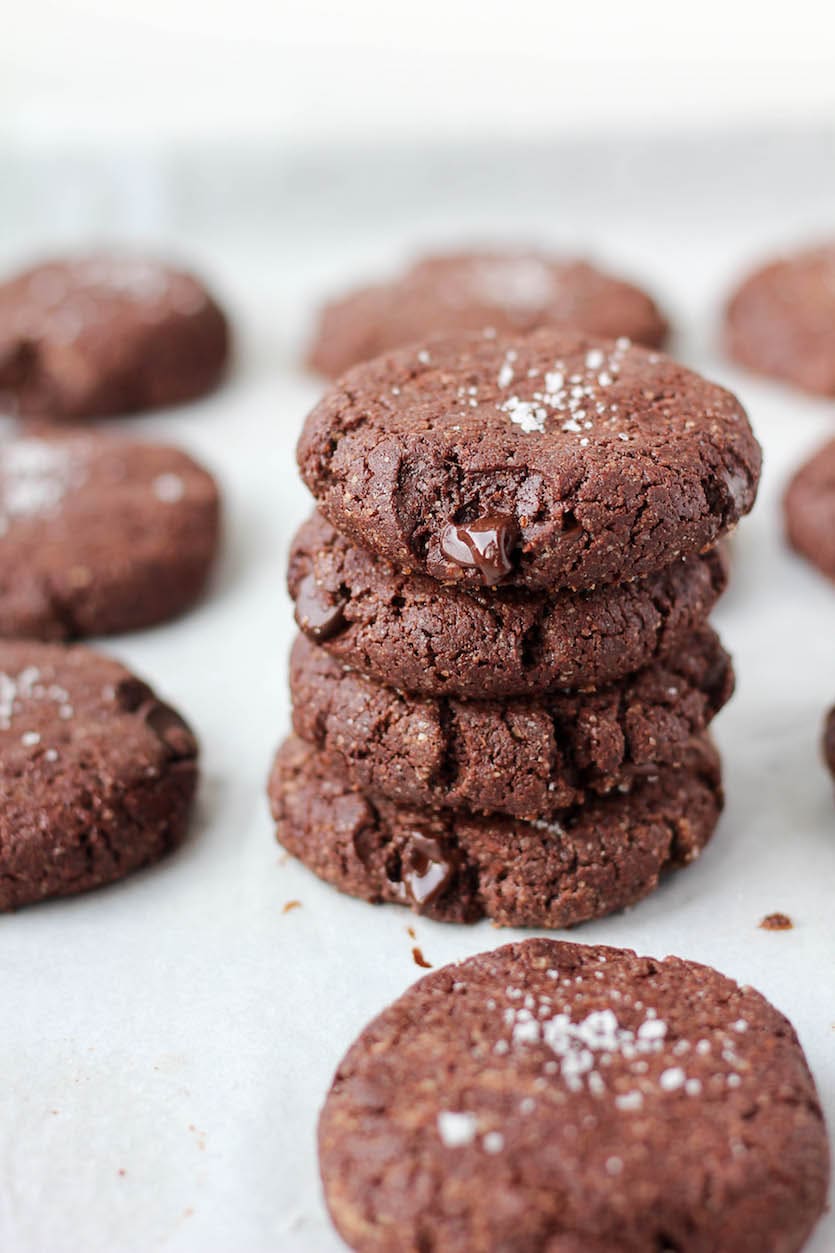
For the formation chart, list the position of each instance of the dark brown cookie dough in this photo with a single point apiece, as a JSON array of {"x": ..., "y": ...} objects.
[
  {"x": 422, "y": 636},
  {"x": 100, "y": 535},
  {"x": 100, "y": 335},
  {"x": 829, "y": 741},
  {"x": 526, "y": 758},
  {"x": 512, "y": 292},
  {"x": 781, "y": 320},
  {"x": 550, "y": 1097},
  {"x": 549, "y": 461},
  {"x": 97, "y": 775},
  {"x": 457, "y": 867},
  {"x": 809, "y": 508}
]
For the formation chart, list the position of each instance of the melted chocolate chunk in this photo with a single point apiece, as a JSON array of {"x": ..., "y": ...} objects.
[
  {"x": 169, "y": 727},
  {"x": 317, "y": 615},
  {"x": 485, "y": 545},
  {"x": 427, "y": 866}
]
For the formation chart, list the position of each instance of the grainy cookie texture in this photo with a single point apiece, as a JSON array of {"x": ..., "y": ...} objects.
[
  {"x": 527, "y": 758},
  {"x": 104, "y": 334},
  {"x": 96, "y": 774},
  {"x": 553, "y": 460},
  {"x": 423, "y": 636},
  {"x": 781, "y": 320},
  {"x": 809, "y": 508},
  {"x": 508, "y": 291},
  {"x": 556, "y": 1098},
  {"x": 457, "y": 867},
  {"x": 100, "y": 535}
]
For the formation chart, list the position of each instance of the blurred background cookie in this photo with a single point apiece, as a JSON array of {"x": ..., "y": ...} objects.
[
  {"x": 468, "y": 291},
  {"x": 105, "y": 334},
  {"x": 809, "y": 510},
  {"x": 100, "y": 535},
  {"x": 781, "y": 320}
]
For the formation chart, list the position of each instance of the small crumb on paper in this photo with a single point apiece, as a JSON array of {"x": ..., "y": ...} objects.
[
  {"x": 776, "y": 922},
  {"x": 419, "y": 959},
  {"x": 290, "y": 906}
]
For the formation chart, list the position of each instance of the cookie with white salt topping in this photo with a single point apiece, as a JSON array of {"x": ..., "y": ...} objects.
[
  {"x": 104, "y": 334},
  {"x": 509, "y": 291},
  {"x": 456, "y": 866},
  {"x": 554, "y": 460},
  {"x": 780, "y": 321},
  {"x": 100, "y": 535},
  {"x": 97, "y": 775},
  {"x": 558, "y": 1098}
]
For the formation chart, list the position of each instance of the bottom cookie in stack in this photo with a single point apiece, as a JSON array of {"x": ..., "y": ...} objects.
[{"x": 457, "y": 866}]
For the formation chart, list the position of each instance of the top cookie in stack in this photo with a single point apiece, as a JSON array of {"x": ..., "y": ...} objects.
[
  {"x": 549, "y": 461},
  {"x": 507, "y": 586}
]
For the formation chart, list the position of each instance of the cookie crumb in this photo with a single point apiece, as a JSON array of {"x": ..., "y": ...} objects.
[
  {"x": 290, "y": 906},
  {"x": 420, "y": 960},
  {"x": 776, "y": 922}
]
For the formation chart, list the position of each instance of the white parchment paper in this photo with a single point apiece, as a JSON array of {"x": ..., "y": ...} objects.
[{"x": 165, "y": 1044}]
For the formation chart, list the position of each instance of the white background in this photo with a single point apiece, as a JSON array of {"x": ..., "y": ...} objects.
[{"x": 316, "y": 69}]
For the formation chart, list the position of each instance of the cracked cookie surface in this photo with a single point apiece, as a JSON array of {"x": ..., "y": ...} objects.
[
  {"x": 550, "y": 1097},
  {"x": 458, "y": 867},
  {"x": 100, "y": 535},
  {"x": 97, "y": 775},
  {"x": 528, "y": 758},
  {"x": 547, "y": 461},
  {"x": 428, "y": 637}
]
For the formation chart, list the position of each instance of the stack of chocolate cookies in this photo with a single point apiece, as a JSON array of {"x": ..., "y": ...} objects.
[{"x": 505, "y": 675}]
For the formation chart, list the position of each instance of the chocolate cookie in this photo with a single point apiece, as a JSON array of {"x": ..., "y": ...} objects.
[
  {"x": 512, "y": 292},
  {"x": 550, "y": 461},
  {"x": 97, "y": 775},
  {"x": 457, "y": 867},
  {"x": 107, "y": 334},
  {"x": 100, "y": 535},
  {"x": 560, "y": 1098},
  {"x": 781, "y": 320},
  {"x": 809, "y": 508},
  {"x": 829, "y": 741},
  {"x": 527, "y": 758},
  {"x": 420, "y": 635}
]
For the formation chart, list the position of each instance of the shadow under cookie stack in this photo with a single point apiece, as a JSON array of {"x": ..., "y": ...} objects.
[{"x": 505, "y": 676}]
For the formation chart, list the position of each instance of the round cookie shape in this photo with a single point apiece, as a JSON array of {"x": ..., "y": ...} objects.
[
  {"x": 455, "y": 866},
  {"x": 511, "y": 292},
  {"x": 563, "y": 1098},
  {"x": 551, "y": 461},
  {"x": 100, "y": 535},
  {"x": 809, "y": 509},
  {"x": 435, "y": 639},
  {"x": 781, "y": 320},
  {"x": 105, "y": 334},
  {"x": 97, "y": 775},
  {"x": 829, "y": 741},
  {"x": 528, "y": 758}
]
